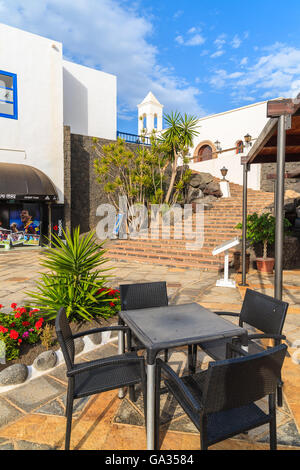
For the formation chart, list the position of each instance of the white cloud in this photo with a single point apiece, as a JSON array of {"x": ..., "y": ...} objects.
[
  {"x": 218, "y": 53},
  {"x": 109, "y": 35},
  {"x": 236, "y": 42},
  {"x": 195, "y": 38},
  {"x": 179, "y": 39},
  {"x": 220, "y": 41},
  {"x": 272, "y": 75},
  {"x": 178, "y": 14}
]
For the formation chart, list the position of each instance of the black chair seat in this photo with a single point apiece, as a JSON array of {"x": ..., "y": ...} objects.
[
  {"x": 218, "y": 349},
  {"x": 106, "y": 378},
  {"x": 226, "y": 424}
]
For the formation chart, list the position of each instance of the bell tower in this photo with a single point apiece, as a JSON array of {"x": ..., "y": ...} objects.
[{"x": 150, "y": 115}]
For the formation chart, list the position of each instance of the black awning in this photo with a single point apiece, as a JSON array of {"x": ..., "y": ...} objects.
[{"x": 25, "y": 183}]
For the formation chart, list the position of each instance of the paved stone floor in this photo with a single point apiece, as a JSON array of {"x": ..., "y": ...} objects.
[{"x": 32, "y": 415}]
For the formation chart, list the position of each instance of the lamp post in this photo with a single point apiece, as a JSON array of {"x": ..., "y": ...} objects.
[{"x": 224, "y": 172}]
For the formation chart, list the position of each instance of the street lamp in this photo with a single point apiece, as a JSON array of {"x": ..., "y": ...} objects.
[
  {"x": 218, "y": 146},
  {"x": 248, "y": 139},
  {"x": 224, "y": 172}
]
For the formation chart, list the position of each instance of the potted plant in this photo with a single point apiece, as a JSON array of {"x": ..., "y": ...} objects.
[{"x": 261, "y": 229}]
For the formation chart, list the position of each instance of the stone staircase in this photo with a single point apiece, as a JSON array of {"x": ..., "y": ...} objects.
[{"x": 219, "y": 223}]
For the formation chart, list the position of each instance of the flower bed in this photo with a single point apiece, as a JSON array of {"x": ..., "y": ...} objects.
[
  {"x": 23, "y": 324},
  {"x": 25, "y": 329}
]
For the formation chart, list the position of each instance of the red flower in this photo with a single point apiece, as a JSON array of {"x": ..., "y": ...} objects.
[
  {"x": 18, "y": 314},
  {"x": 25, "y": 323},
  {"x": 1, "y": 306},
  {"x": 13, "y": 306},
  {"x": 12, "y": 324},
  {"x": 19, "y": 340},
  {"x": 3, "y": 329},
  {"x": 111, "y": 304},
  {"x": 101, "y": 290},
  {"x": 13, "y": 334},
  {"x": 39, "y": 323}
]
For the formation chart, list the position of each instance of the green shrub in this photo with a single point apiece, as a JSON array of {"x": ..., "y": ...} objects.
[
  {"x": 75, "y": 279},
  {"x": 261, "y": 229}
]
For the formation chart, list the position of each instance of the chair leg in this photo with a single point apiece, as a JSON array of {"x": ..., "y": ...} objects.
[
  {"x": 132, "y": 394},
  {"x": 272, "y": 425},
  {"x": 166, "y": 355},
  {"x": 69, "y": 412},
  {"x": 203, "y": 433},
  {"x": 192, "y": 358},
  {"x": 279, "y": 393}
]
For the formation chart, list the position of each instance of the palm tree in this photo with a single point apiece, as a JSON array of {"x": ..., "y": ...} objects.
[{"x": 178, "y": 136}]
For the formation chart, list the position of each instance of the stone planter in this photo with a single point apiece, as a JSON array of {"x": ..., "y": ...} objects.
[
  {"x": 265, "y": 265},
  {"x": 237, "y": 262}
]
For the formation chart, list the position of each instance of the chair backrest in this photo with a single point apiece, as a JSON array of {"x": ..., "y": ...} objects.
[
  {"x": 263, "y": 312},
  {"x": 145, "y": 295},
  {"x": 65, "y": 338},
  {"x": 234, "y": 383}
]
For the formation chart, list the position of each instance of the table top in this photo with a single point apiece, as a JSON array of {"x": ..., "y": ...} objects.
[{"x": 176, "y": 325}]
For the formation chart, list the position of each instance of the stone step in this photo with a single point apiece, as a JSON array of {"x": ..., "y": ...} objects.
[{"x": 220, "y": 220}]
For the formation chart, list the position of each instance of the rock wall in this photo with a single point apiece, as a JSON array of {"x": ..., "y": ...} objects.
[
  {"x": 83, "y": 192},
  {"x": 270, "y": 168}
]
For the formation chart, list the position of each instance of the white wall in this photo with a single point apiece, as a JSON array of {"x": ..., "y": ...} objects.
[
  {"x": 36, "y": 138},
  {"x": 228, "y": 128},
  {"x": 90, "y": 101}
]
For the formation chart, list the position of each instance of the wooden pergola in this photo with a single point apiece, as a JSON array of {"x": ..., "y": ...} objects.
[{"x": 279, "y": 142}]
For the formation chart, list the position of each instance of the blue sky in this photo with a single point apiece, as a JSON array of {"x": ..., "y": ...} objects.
[{"x": 196, "y": 56}]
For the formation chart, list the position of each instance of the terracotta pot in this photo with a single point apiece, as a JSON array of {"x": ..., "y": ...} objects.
[
  {"x": 237, "y": 261},
  {"x": 265, "y": 265}
]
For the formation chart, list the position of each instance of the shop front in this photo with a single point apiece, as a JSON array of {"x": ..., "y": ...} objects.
[{"x": 28, "y": 200}]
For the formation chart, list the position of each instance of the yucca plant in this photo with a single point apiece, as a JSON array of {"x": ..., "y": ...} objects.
[{"x": 75, "y": 280}]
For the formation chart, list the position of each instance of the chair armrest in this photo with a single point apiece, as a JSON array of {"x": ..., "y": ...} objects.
[
  {"x": 231, "y": 314},
  {"x": 100, "y": 330},
  {"x": 182, "y": 387},
  {"x": 266, "y": 335},
  {"x": 110, "y": 361}
]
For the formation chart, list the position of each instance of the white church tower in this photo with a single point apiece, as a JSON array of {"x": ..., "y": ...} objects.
[{"x": 150, "y": 115}]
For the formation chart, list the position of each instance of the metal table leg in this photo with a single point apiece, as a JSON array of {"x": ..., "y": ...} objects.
[{"x": 150, "y": 405}]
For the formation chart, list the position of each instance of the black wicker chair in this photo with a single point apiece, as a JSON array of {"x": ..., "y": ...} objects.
[
  {"x": 220, "y": 401},
  {"x": 260, "y": 311},
  {"x": 144, "y": 295},
  {"x": 101, "y": 375}
]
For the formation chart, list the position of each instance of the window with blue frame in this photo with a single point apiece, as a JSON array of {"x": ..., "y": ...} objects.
[{"x": 8, "y": 95}]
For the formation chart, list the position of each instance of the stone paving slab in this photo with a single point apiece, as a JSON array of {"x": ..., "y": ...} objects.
[
  {"x": 32, "y": 416},
  {"x": 35, "y": 393}
]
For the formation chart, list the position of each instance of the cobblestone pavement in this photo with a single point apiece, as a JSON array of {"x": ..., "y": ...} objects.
[{"x": 32, "y": 415}]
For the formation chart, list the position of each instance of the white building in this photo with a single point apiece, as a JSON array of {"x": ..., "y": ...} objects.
[
  {"x": 150, "y": 115},
  {"x": 227, "y": 131},
  {"x": 39, "y": 94}
]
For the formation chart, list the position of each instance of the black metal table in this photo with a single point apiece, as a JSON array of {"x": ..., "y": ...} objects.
[{"x": 169, "y": 327}]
